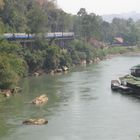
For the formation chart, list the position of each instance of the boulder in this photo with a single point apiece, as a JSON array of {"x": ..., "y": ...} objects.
[
  {"x": 10, "y": 92},
  {"x": 83, "y": 62},
  {"x": 97, "y": 59},
  {"x": 40, "y": 121},
  {"x": 42, "y": 99},
  {"x": 58, "y": 70},
  {"x": 36, "y": 74},
  {"x": 65, "y": 68},
  {"x": 7, "y": 92}
]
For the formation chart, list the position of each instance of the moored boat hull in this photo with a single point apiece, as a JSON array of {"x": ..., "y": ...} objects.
[{"x": 117, "y": 86}]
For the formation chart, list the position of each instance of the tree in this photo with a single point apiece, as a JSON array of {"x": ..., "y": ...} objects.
[
  {"x": 37, "y": 19},
  {"x": 88, "y": 25},
  {"x": 82, "y": 12},
  {"x": 126, "y": 29},
  {"x": 13, "y": 14},
  {"x": 106, "y": 31}
]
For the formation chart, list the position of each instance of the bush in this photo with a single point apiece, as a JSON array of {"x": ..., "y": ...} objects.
[
  {"x": 11, "y": 69},
  {"x": 65, "y": 59},
  {"x": 35, "y": 59},
  {"x": 11, "y": 48},
  {"x": 52, "y": 57}
]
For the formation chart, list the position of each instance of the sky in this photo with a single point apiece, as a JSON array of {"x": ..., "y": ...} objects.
[{"x": 100, "y": 7}]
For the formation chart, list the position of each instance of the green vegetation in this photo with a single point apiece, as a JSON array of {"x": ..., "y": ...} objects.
[
  {"x": 39, "y": 17},
  {"x": 120, "y": 50},
  {"x": 12, "y": 66}
]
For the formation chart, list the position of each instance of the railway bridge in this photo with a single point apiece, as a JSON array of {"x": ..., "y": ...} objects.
[{"x": 60, "y": 38}]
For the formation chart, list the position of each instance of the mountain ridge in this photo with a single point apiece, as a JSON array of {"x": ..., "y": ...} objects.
[{"x": 134, "y": 15}]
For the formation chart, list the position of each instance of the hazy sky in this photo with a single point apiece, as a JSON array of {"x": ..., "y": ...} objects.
[{"x": 100, "y": 6}]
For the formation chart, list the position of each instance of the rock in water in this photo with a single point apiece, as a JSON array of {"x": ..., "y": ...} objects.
[
  {"x": 35, "y": 121},
  {"x": 40, "y": 100}
]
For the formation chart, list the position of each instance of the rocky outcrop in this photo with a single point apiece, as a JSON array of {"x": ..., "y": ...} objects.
[
  {"x": 40, "y": 121},
  {"x": 83, "y": 62},
  {"x": 42, "y": 99},
  {"x": 97, "y": 59},
  {"x": 58, "y": 70},
  {"x": 65, "y": 68},
  {"x": 10, "y": 92},
  {"x": 36, "y": 74},
  {"x": 6, "y": 93},
  {"x": 62, "y": 69}
]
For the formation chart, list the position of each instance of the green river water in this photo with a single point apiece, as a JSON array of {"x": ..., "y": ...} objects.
[{"x": 81, "y": 105}]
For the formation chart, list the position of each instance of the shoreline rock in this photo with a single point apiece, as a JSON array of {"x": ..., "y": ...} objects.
[{"x": 10, "y": 92}]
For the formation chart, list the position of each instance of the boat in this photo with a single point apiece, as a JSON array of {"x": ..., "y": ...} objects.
[
  {"x": 129, "y": 83},
  {"x": 117, "y": 86}
]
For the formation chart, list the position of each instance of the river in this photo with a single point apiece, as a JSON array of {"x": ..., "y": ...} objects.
[{"x": 81, "y": 105}]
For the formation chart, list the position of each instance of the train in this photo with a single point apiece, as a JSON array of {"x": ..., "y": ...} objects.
[{"x": 11, "y": 36}]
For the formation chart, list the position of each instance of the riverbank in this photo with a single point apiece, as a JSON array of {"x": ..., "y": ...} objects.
[
  {"x": 50, "y": 60},
  {"x": 99, "y": 55},
  {"x": 109, "y": 52},
  {"x": 121, "y": 50}
]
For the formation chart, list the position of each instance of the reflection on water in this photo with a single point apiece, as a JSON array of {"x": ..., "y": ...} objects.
[{"x": 80, "y": 106}]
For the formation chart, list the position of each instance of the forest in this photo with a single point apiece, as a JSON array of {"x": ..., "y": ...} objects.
[{"x": 93, "y": 35}]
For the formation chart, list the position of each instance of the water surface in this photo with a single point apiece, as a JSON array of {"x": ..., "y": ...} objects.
[{"x": 81, "y": 106}]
